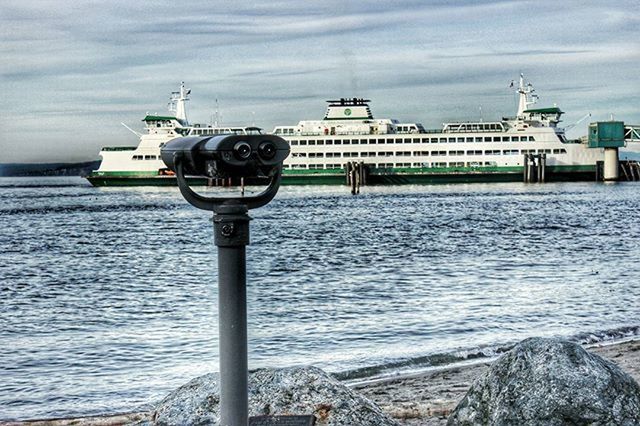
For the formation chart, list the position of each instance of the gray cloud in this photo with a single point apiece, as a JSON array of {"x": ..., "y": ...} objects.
[{"x": 71, "y": 75}]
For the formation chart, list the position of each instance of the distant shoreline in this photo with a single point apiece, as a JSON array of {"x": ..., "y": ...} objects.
[{"x": 47, "y": 169}]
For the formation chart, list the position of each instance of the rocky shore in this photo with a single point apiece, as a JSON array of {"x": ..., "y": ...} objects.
[
  {"x": 429, "y": 398},
  {"x": 420, "y": 399}
]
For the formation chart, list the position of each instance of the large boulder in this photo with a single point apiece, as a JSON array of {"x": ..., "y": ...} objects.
[
  {"x": 550, "y": 382},
  {"x": 293, "y": 391}
]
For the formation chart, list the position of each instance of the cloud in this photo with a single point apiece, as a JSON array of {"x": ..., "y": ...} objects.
[{"x": 86, "y": 67}]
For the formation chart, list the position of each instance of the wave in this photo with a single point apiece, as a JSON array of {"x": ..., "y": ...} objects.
[
  {"x": 425, "y": 363},
  {"x": 92, "y": 208}
]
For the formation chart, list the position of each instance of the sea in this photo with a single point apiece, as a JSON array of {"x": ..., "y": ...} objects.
[{"x": 109, "y": 295}]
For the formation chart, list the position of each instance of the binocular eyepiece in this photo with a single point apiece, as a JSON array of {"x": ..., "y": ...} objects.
[{"x": 222, "y": 156}]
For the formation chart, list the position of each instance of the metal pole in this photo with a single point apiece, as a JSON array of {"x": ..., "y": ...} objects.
[{"x": 231, "y": 233}]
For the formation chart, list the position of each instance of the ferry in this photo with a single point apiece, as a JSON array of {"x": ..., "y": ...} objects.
[
  {"x": 142, "y": 165},
  {"x": 391, "y": 152}
]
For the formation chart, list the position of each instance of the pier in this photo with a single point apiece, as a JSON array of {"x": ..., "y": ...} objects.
[{"x": 611, "y": 136}]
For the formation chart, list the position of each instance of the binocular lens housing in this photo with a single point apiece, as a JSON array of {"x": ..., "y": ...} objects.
[
  {"x": 242, "y": 150},
  {"x": 267, "y": 150},
  {"x": 221, "y": 156}
]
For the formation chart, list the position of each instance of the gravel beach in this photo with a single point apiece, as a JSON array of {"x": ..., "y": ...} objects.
[
  {"x": 419, "y": 399},
  {"x": 427, "y": 399}
]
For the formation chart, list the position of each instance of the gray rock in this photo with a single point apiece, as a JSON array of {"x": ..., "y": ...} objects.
[
  {"x": 550, "y": 382},
  {"x": 298, "y": 390}
]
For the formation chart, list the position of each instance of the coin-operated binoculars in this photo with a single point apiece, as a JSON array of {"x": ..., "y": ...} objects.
[{"x": 230, "y": 156}]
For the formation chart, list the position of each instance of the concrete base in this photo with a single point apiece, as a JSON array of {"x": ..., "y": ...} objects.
[{"x": 610, "y": 171}]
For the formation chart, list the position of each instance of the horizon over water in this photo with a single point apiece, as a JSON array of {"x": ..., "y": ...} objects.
[{"x": 109, "y": 295}]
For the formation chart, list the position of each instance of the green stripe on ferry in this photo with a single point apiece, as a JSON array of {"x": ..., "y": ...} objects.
[{"x": 96, "y": 173}]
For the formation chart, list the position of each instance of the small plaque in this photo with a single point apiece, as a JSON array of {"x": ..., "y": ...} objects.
[{"x": 304, "y": 420}]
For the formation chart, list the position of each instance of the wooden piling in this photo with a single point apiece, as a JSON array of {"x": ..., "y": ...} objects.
[{"x": 624, "y": 171}]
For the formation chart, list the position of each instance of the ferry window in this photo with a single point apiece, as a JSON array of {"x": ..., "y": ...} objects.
[
  {"x": 560, "y": 151},
  {"x": 510, "y": 152},
  {"x": 372, "y": 142},
  {"x": 316, "y": 155},
  {"x": 439, "y": 164},
  {"x": 433, "y": 140},
  {"x": 460, "y": 140},
  {"x": 337, "y": 142},
  {"x": 346, "y": 142},
  {"x": 404, "y": 153},
  {"x": 294, "y": 142},
  {"x": 531, "y": 139},
  {"x": 425, "y": 140},
  {"x": 496, "y": 138},
  {"x": 381, "y": 141},
  {"x": 329, "y": 142},
  {"x": 149, "y": 157},
  {"x": 420, "y": 153},
  {"x": 475, "y": 152},
  {"x": 439, "y": 153},
  {"x": 505, "y": 139},
  {"x": 298, "y": 166},
  {"x": 457, "y": 164},
  {"x": 363, "y": 154},
  {"x": 452, "y": 139},
  {"x": 312, "y": 142},
  {"x": 372, "y": 154},
  {"x": 487, "y": 138},
  {"x": 320, "y": 142},
  {"x": 407, "y": 140},
  {"x": 363, "y": 141},
  {"x": 315, "y": 166},
  {"x": 443, "y": 140},
  {"x": 299, "y": 154},
  {"x": 469, "y": 139},
  {"x": 303, "y": 142},
  {"x": 456, "y": 152}
]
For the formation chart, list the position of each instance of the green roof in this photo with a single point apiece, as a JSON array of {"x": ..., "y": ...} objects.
[
  {"x": 158, "y": 118},
  {"x": 552, "y": 110}
]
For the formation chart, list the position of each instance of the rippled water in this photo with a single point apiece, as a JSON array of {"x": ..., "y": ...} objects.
[{"x": 109, "y": 294}]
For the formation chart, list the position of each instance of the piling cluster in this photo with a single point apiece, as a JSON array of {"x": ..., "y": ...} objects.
[
  {"x": 535, "y": 167},
  {"x": 356, "y": 174}
]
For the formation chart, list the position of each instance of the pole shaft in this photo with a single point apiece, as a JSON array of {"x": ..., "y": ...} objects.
[
  {"x": 231, "y": 235},
  {"x": 232, "y": 320}
]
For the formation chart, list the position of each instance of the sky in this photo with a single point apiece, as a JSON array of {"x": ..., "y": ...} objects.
[{"x": 72, "y": 71}]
